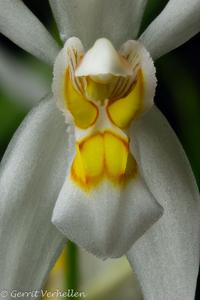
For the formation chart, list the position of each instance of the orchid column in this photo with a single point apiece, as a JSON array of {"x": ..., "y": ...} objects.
[{"x": 115, "y": 140}]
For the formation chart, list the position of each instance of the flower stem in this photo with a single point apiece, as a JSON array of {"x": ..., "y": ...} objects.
[{"x": 72, "y": 280}]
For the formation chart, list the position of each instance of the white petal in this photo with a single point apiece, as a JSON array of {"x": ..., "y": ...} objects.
[
  {"x": 92, "y": 19},
  {"x": 107, "y": 220},
  {"x": 177, "y": 23},
  {"x": 166, "y": 258},
  {"x": 32, "y": 174},
  {"x": 19, "y": 24},
  {"x": 20, "y": 82}
]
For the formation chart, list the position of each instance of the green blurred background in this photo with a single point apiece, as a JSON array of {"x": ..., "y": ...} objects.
[{"x": 178, "y": 97}]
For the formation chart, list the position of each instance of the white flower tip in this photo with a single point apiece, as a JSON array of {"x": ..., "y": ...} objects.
[
  {"x": 102, "y": 62},
  {"x": 96, "y": 220}
]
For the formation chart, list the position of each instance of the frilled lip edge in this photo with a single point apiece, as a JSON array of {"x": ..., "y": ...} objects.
[{"x": 72, "y": 55}]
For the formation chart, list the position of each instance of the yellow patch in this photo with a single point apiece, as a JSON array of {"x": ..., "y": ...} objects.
[
  {"x": 83, "y": 111},
  {"x": 123, "y": 111},
  {"x": 103, "y": 155},
  {"x": 97, "y": 91},
  {"x": 116, "y": 154}
]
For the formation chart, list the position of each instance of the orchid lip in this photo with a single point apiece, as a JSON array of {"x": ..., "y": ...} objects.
[
  {"x": 101, "y": 96},
  {"x": 104, "y": 90}
]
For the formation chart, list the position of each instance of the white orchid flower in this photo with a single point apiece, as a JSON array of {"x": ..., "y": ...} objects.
[{"x": 118, "y": 167}]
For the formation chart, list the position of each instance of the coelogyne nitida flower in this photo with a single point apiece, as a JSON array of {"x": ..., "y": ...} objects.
[
  {"x": 117, "y": 180},
  {"x": 103, "y": 92}
]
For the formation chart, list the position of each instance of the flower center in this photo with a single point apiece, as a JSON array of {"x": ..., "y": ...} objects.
[{"x": 104, "y": 91}]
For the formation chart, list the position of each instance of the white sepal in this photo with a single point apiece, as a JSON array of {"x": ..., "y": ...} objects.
[
  {"x": 20, "y": 82},
  {"x": 32, "y": 173},
  {"x": 91, "y": 19},
  {"x": 20, "y": 25},
  {"x": 177, "y": 23},
  {"x": 166, "y": 258}
]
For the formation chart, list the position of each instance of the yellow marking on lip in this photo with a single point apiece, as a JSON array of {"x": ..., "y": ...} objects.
[
  {"x": 97, "y": 91},
  {"x": 115, "y": 146},
  {"x": 101, "y": 156},
  {"x": 83, "y": 111},
  {"x": 87, "y": 167},
  {"x": 121, "y": 112}
]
